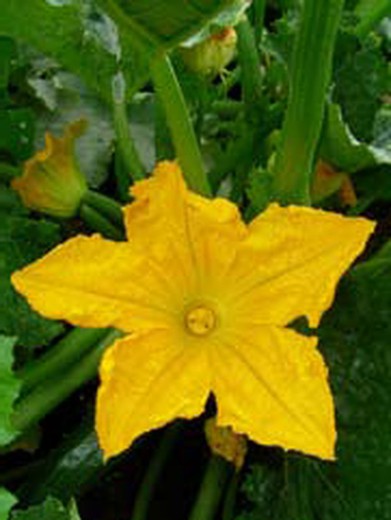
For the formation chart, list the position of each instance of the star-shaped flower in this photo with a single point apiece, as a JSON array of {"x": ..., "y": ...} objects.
[{"x": 205, "y": 300}]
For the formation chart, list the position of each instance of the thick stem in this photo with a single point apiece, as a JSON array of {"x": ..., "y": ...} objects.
[
  {"x": 250, "y": 70},
  {"x": 371, "y": 14},
  {"x": 154, "y": 470},
  {"x": 259, "y": 8},
  {"x": 108, "y": 207},
  {"x": 97, "y": 222},
  {"x": 66, "y": 352},
  {"x": 230, "y": 497},
  {"x": 45, "y": 397},
  {"x": 212, "y": 489},
  {"x": 310, "y": 76},
  {"x": 178, "y": 120},
  {"x": 132, "y": 165}
]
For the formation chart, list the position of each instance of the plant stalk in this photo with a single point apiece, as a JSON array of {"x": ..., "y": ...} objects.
[
  {"x": 250, "y": 70},
  {"x": 310, "y": 76},
  {"x": 132, "y": 162},
  {"x": 159, "y": 459},
  {"x": 97, "y": 222},
  {"x": 108, "y": 207},
  {"x": 49, "y": 394},
  {"x": 66, "y": 352},
  {"x": 178, "y": 120},
  {"x": 212, "y": 489}
]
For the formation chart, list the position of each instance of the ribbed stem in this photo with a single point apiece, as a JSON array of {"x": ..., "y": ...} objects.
[
  {"x": 132, "y": 163},
  {"x": 97, "y": 222},
  {"x": 250, "y": 70},
  {"x": 159, "y": 459},
  {"x": 105, "y": 205},
  {"x": 178, "y": 120},
  {"x": 212, "y": 489},
  {"x": 48, "y": 395},
  {"x": 66, "y": 352},
  {"x": 310, "y": 76}
]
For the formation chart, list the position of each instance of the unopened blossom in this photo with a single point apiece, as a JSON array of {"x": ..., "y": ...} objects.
[{"x": 51, "y": 181}]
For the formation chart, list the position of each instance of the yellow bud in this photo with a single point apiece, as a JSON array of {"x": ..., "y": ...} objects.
[
  {"x": 326, "y": 181},
  {"x": 51, "y": 181},
  {"x": 225, "y": 442},
  {"x": 212, "y": 55}
]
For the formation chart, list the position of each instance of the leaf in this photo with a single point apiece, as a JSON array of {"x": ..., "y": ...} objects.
[
  {"x": 16, "y": 132},
  {"x": 7, "y": 501},
  {"x": 51, "y": 509},
  {"x": 70, "y": 469},
  {"x": 339, "y": 147},
  {"x": 23, "y": 240},
  {"x": 356, "y": 336},
  {"x": 171, "y": 21},
  {"x": 9, "y": 390},
  {"x": 81, "y": 37},
  {"x": 68, "y": 100},
  {"x": 361, "y": 79}
]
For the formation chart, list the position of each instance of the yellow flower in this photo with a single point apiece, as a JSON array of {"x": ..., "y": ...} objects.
[
  {"x": 205, "y": 300},
  {"x": 52, "y": 182}
]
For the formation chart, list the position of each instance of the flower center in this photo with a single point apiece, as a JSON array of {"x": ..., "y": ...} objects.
[{"x": 200, "y": 320}]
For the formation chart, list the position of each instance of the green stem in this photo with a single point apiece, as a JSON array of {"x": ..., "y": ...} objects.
[
  {"x": 212, "y": 488},
  {"x": 66, "y": 352},
  {"x": 99, "y": 223},
  {"x": 45, "y": 397},
  {"x": 250, "y": 69},
  {"x": 126, "y": 146},
  {"x": 9, "y": 172},
  {"x": 230, "y": 497},
  {"x": 108, "y": 207},
  {"x": 178, "y": 120},
  {"x": 259, "y": 8},
  {"x": 154, "y": 470},
  {"x": 371, "y": 14},
  {"x": 310, "y": 76}
]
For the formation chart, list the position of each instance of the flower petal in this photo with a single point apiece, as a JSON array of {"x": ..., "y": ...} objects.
[
  {"x": 292, "y": 261},
  {"x": 271, "y": 384},
  {"x": 147, "y": 381},
  {"x": 195, "y": 234},
  {"x": 93, "y": 282}
]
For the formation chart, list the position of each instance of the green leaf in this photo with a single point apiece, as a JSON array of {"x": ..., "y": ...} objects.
[
  {"x": 7, "y": 501},
  {"x": 51, "y": 509},
  {"x": 9, "y": 390},
  {"x": 22, "y": 241},
  {"x": 70, "y": 469},
  {"x": 170, "y": 22},
  {"x": 79, "y": 36},
  {"x": 355, "y": 336},
  {"x": 361, "y": 79},
  {"x": 7, "y": 52},
  {"x": 339, "y": 147},
  {"x": 68, "y": 100},
  {"x": 16, "y": 132}
]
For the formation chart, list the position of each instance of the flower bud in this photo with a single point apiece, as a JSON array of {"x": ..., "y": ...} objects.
[
  {"x": 328, "y": 181},
  {"x": 225, "y": 442},
  {"x": 51, "y": 181},
  {"x": 213, "y": 54}
]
